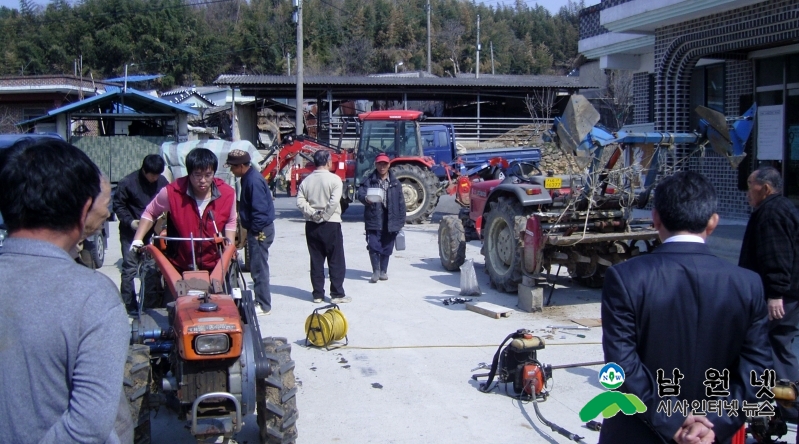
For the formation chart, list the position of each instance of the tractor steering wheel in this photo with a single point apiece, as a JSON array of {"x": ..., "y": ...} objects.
[{"x": 523, "y": 170}]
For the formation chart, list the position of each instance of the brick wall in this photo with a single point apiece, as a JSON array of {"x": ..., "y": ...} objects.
[
  {"x": 12, "y": 112},
  {"x": 641, "y": 96},
  {"x": 612, "y": 3},
  {"x": 727, "y": 35},
  {"x": 589, "y": 21}
]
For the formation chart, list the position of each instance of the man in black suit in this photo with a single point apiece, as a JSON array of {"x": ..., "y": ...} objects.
[{"x": 682, "y": 308}]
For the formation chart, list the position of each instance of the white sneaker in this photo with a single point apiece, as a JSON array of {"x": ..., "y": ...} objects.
[{"x": 259, "y": 311}]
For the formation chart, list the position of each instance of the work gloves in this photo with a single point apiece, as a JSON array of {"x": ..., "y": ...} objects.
[{"x": 136, "y": 245}]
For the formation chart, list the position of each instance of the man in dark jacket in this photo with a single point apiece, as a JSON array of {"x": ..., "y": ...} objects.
[
  {"x": 384, "y": 217},
  {"x": 257, "y": 216},
  {"x": 133, "y": 193},
  {"x": 674, "y": 318},
  {"x": 770, "y": 248}
]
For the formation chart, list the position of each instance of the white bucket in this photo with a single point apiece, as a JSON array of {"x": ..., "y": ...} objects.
[{"x": 375, "y": 195}]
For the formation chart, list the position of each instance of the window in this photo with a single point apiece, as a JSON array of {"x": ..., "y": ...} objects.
[
  {"x": 32, "y": 113},
  {"x": 707, "y": 89},
  {"x": 714, "y": 87}
]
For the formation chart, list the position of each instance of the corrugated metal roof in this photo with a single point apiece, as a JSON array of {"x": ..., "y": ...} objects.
[
  {"x": 485, "y": 80},
  {"x": 133, "y": 99}
]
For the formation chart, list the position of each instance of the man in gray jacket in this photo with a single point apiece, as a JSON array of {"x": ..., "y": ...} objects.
[
  {"x": 319, "y": 199},
  {"x": 63, "y": 327}
]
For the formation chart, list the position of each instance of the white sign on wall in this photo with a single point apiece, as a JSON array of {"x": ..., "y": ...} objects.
[{"x": 770, "y": 133}]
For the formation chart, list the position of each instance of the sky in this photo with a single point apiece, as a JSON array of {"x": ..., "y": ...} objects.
[{"x": 552, "y": 5}]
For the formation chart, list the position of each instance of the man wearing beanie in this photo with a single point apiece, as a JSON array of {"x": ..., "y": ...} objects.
[{"x": 257, "y": 215}]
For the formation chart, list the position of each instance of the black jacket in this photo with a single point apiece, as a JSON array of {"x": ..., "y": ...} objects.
[
  {"x": 256, "y": 209},
  {"x": 770, "y": 247},
  {"x": 681, "y": 307},
  {"x": 375, "y": 216},
  {"x": 134, "y": 192}
]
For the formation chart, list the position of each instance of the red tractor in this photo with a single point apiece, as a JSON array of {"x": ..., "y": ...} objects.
[
  {"x": 203, "y": 355},
  {"x": 530, "y": 221},
  {"x": 393, "y": 132},
  {"x": 396, "y": 133}
]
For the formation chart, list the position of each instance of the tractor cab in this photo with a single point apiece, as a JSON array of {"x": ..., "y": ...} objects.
[{"x": 394, "y": 132}]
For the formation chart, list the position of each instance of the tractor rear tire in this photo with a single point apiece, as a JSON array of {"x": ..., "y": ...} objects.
[
  {"x": 276, "y": 401},
  {"x": 136, "y": 382},
  {"x": 420, "y": 190},
  {"x": 451, "y": 243},
  {"x": 503, "y": 254}
]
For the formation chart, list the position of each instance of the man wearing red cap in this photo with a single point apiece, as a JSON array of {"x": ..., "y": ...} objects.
[{"x": 384, "y": 218}]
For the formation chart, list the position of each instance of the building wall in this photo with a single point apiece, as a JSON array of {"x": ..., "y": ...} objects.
[
  {"x": 13, "y": 112},
  {"x": 641, "y": 94},
  {"x": 728, "y": 35},
  {"x": 118, "y": 156},
  {"x": 47, "y": 92}
]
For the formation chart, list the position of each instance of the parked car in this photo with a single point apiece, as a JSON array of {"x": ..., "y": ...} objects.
[{"x": 91, "y": 252}]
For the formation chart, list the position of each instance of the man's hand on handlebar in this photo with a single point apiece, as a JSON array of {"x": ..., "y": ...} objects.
[{"x": 136, "y": 246}]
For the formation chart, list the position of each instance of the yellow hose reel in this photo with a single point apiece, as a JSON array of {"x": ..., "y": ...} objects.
[{"x": 323, "y": 329}]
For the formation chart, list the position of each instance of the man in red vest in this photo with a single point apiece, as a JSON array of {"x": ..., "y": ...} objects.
[{"x": 199, "y": 206}]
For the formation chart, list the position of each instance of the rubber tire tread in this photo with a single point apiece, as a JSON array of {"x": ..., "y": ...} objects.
[
  {"x": 429, "y": 183},
  {"x": 277, "y": 428},
  {"x": 506, "y": 209},
  {"x": 136, "y": 382},
  {"x": 451, "y": 243},
  {"x": 98, "y": 252}
]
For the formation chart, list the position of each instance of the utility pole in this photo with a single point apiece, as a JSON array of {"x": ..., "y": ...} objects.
[
  {"x": 429, "y": 64},
  {"x": 491, "y": 44},
  {"x": 299, "y": 116},
  {"x": 477, "y": 69},
  {"x": 288, "y": 56}
]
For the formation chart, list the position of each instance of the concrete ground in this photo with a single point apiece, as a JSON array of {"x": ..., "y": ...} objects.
[{"x": 405, "y": 375}]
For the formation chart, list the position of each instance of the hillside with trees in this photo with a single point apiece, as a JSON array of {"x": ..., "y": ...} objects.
[{"x": 191, "y": 42}]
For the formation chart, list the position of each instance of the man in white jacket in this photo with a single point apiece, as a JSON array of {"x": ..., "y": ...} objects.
[{"x": 319, "y": 199}]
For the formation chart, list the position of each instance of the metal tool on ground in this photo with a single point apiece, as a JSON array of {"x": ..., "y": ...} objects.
[
  {"x": 593, "y": 425},
  {"x": 517, "y": 365},
  {"x": 481, "y": 365},
  {"x": 575, "y": 334},
  {"x": 568, "y": 327},
  {"x": 322, "y": 330},
  {"x": 452, "y": 301}
]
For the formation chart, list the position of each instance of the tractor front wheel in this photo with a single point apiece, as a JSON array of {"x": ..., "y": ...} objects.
[
  {"x": 420, "y": 190},
  {"x": 503, "y": 254},
  {"x": 451, "y": 243},
  {"x": 276, "y": 400},
  {"x": 136, "y": 382}
]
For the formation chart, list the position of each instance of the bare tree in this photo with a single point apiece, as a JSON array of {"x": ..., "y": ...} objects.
[
  {"x": 8, "y": 124},
  {"x": 617, "y": 98},
  {"x": 450, "y": 37},
  {"x": 540, "y": 104}
]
